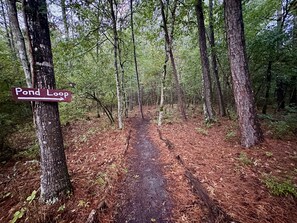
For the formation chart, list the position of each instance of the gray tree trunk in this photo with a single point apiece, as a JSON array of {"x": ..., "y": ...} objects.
[
  {"x": 180, "y": 97},
  {"x": 9, "y": 38},
  {"x": 117, "y": 76},
  {"x": 293, "y": 95},
  {"x": 123, "y": 87},
  {"x": 19, "y": 39},
  {"x": 55, "y": 180},
  {"x": 268, "y": 85},
  {"x": 135, "y": 62},
  {"x": 222, "y": 109},
  {"x": 28, "y": 43},
  {"x": 208, "y": 111},
  {"x": 161, "y": 112},
  {"x": 251, "y": 133},
  {"x": 64, "y": 16}
]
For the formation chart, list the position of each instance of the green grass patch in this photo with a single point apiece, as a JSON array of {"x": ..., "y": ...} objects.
[
  {"x": 202, "y": 131},
  {"x": 244, "y": 159},
  {"x": 280, "y": 188}
]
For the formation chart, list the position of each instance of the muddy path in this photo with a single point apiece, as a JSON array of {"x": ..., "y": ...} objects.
[{"x": 143, "y": 197}]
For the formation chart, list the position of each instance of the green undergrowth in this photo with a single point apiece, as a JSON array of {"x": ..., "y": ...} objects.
[
  {"x": 280, "y": 187},
  {"x": 31, "y": 152},
  {"x": 284, "y": 125},
  {"x": 202, "y": 131},
  {"x": 244, "y": 159},
  {"x": 74, "y": 110},
  {"x": 19, "y": 214},
  {"x": 230, "y": 135}
]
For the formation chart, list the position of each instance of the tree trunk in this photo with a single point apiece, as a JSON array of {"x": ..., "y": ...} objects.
[
  {"x": 251, "y": 133},
  {"x": 9, "y": 38},
  {"x": 222, "y": 109},
  {"x": 124, "y": 95},
  {"x": 280, "y": 93},
  {"x": 208, "y": 111},
  {"x": 135, "y": 62},
  {"x": 162, "y": 88},
  {"x": 281, "y": 85},
  {"x": 64, "y": 16},
  {"x": 293, "y": 85},
  {"x": 28, "y": 43},
  {"x": 268, "y": 84},
  {"x": 55, "y": 179},
  {"x": 180, "y": 97},
  {"x": 117, "y": 76},
  {"x": 20, "y": 43}
]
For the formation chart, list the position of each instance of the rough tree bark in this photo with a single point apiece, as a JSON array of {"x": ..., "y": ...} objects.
[
  {"x": 28, "y": 43},
  {"x": 117, "y": 76},
  {"x": 169, "y": 39},
  {"x": 135, "y": 62},
  {"x": 222, "y": 109},
  {"x": 251, "y": 133},
  {"x": 55, "y": 180},
  {"x": 208, "y": 111},
  {"x": 19, "y": 39}
]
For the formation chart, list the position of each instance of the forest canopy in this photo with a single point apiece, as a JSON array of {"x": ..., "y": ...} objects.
[{"x": 83, "y": 42}]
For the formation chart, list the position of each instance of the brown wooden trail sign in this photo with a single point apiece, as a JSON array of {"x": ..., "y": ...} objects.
[{"x": 38, "y": 94}]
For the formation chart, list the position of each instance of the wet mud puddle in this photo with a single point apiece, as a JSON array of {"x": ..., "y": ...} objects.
[{"x": 143, "y": 195}]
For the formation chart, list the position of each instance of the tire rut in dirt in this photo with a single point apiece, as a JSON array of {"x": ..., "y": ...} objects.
[{"x": 143, "y": 194}]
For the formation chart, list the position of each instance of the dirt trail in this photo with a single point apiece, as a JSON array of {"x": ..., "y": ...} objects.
[{"x": 143, "y": 194}]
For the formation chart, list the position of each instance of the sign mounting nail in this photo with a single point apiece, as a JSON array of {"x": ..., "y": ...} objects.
[{"x": 38, "y": 94}]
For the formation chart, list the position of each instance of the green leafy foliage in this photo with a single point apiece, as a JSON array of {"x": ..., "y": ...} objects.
[
  {"x": 31, "y": 197},
  {"x": 230, "y": 135},
  {"x": 202, "y": 131},
  {"x": 18, "y": 215},
  {"x": 82, "y": 203},
  {"x": 244, "y": 159},
  {"x": 12, "y": 114},
  {"x": 32, "y": 152},
  {"x": 286, "y": 127},
  {"x": 280, "y": 188},
  {"x": 62, "y": 208}
]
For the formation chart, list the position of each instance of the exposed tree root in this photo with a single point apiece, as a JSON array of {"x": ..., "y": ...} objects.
[
  {"x": 169, "y": 144},
  {"x": 215, "y": 213},
  {"x": 93, "y": 218},
  {"x": 127, "y": 142},
  {"x": 95, "y": 213}
]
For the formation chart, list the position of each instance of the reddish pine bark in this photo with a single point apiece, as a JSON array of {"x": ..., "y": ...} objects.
[{"x": 251, "y": 133}]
